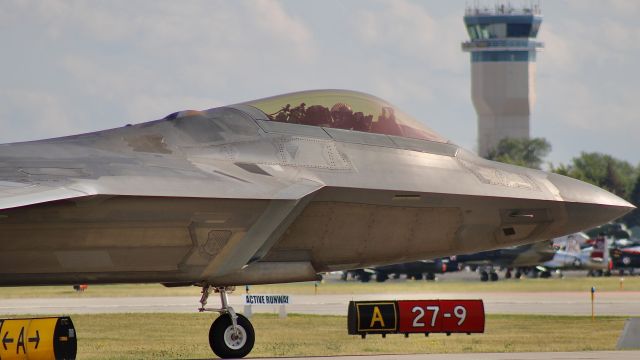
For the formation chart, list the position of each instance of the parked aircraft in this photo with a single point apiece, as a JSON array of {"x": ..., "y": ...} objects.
[
  {"x": 626, "y": 259},
  {"x": 412, "y": 270},
  {"x": 269, "y": 191},
  {"x": 524, "y": 259},
  {"x": 579, "y": 239},
  {"x": 594, "y": 258}
]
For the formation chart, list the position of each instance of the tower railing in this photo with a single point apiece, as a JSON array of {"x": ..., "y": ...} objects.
[
  {"x": 501, "y": 44},
  {"x": 503, "y": 9}
]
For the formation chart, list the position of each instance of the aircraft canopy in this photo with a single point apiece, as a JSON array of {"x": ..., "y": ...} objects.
[{"x": 342, "y": 109}]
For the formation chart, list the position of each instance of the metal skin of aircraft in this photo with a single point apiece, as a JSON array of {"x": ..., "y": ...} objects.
[{"x": 269, "y": 191}]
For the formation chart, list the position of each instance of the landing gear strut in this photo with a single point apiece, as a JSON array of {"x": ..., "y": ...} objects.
[{"x": 231, "y": 335}]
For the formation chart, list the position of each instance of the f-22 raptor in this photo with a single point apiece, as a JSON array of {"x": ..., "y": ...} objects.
[{"x": 268, "y": 191}]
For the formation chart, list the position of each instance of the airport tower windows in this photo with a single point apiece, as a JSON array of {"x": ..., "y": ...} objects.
[
  {"x": 341, "y": 109},
  {"x": 497, "y": 31},
  {"x": 534, "y": 28},
  {"x": 519, "y": 30},
  {"x": 502, "y": 27},
  {"x": 473, "y": 33}
]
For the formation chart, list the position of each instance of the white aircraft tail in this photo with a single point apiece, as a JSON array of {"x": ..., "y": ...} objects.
[
  {"x": 572, "y": 246},
  {"x": 605, "y": 255}
]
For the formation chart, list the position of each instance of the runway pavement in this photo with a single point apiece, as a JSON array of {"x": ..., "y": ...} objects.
[
  {"x": 626, "y": 303},
  {"x": 592, "y": 355}
]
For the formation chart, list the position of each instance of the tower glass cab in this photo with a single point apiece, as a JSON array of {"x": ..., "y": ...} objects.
[{"x": 503, "y": 46}]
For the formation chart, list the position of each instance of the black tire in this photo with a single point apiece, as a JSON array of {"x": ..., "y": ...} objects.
[
  {"x": 417, "y": 276},
  {"x": 381, "y": 277},
  {"x": 518, "y": 275},
  {"x": 493, "y": 276},
  {"x": 430, "y": 276},
  {"x": 222, "y": 341},
  {"x": 365, "y": 277},
  {"x": 484, "y": 276},
  {"x": 599, "y": 273},
  {"x": 507, "y": 275}
]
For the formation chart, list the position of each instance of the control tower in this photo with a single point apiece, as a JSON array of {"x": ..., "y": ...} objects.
[{"x": 503, "y": 54}]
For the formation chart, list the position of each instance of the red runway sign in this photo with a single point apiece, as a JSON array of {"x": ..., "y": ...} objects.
[
  {"x": 416, "y": 316},
  {"x": 441, "y": 316}
]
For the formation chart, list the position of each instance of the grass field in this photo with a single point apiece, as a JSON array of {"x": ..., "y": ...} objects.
[
  {"x": 184, "y": 336},
  {"x": 339, "y": 287}
]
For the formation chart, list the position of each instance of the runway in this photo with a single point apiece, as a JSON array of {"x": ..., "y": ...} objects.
[
  {"x": 591, "y": 355},
  {"x": 624, "y": 303}
]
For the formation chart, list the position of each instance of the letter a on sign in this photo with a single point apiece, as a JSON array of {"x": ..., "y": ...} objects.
[{"x": 376, "y": 317}]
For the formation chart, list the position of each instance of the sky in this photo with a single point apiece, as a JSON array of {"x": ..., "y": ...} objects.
[{"x": 77, "y": 66}]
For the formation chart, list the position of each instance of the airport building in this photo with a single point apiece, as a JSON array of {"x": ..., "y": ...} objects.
[{"x": 503, "y": 50}]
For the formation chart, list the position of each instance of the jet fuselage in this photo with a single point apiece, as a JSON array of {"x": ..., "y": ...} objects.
[{"x": 230, "y": 196}]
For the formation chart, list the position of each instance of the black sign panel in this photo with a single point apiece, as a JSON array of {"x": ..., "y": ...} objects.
[{"x": 372, "y": 317}]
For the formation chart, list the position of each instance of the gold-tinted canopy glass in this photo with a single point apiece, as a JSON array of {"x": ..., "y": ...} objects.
[{"x": 342, "y": 109}]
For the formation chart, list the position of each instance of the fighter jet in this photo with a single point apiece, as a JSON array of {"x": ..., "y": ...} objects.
[
  {"x": 412, "y": 270},
  {"x": 523, "y": 258},
  {"x": 268, "y": 191}
]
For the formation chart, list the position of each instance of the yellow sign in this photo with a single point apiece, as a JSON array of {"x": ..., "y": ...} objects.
[
  {"x": 376, "y": 317},
  {"x": 37, "y": 339}
]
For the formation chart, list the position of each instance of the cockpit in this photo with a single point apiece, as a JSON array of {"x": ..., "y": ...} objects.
[{"x": 342, "y": 109}]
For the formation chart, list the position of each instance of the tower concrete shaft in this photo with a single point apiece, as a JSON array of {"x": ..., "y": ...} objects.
[{"x": 503, "y": 54}]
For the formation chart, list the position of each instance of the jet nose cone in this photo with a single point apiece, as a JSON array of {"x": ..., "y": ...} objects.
[
  {"x": 573, "y": 190},
  {"x": 588, "y": 205}
]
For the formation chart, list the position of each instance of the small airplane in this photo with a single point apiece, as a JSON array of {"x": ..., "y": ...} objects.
[
  {"x": 626, "y": 259},
  {"x": 267, "y": 191},
  {"x": 595, "y": 259}
]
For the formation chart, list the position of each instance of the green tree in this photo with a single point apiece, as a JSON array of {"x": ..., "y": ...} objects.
[
  {"x": 522, "y": 152},
  {"x": 605, "y": 171},
  {"x": 633, "y": 218}
]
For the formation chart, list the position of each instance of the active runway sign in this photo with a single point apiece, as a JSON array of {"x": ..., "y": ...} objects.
[
  {"x": 266, "y": 299},
  {"x": 415, "y": 316}
]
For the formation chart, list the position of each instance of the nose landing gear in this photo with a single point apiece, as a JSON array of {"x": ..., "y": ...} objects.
[{"x": 231, "y": 335}]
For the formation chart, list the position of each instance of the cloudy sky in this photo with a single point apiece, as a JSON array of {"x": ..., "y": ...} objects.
[{"x": 76, "y": 66}]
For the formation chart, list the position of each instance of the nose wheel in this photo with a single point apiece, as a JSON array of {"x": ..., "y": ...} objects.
[
  {"x": 229, "y": 341},
  {"x": 231, "y": 335}
]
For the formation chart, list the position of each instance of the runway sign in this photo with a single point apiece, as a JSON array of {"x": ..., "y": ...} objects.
[
  {"x": 279, "y": 300},
  {"x": 373, "y": 317},
  {"x": 49, "y": 338},
  {"x": 266, "y": 299},
  {"x": 415, "y": 316},
  {"x": 441, "y": 316}
]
